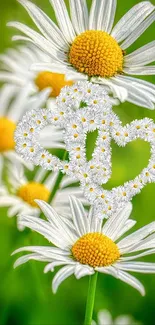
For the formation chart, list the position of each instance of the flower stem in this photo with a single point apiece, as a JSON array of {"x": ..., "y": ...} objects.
[
  {"x": 90, "y": 299},
  {"x": 57, "y": 182}
]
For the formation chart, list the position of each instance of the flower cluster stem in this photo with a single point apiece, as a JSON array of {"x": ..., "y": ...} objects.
[{"x": 90, "y": 299}]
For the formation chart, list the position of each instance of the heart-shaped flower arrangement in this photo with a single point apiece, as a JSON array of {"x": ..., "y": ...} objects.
[{"x": 82, "y": 108}]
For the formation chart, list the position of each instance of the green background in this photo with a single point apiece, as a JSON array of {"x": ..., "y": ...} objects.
[{"x": 25, "y": 293}]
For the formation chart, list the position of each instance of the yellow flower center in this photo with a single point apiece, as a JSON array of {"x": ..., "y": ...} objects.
[
  {"x": 32, "y": 191},
  {"x": 56, "y": 81},
  {"x": 95, "y": 249},
  {"x": 7, "y": 128},
  {"x": 96, "y": 53}
]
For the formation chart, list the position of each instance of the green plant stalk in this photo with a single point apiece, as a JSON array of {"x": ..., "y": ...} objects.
[
  {"x": 90, "y": 299},
  {"x": 57, "y": 182}
]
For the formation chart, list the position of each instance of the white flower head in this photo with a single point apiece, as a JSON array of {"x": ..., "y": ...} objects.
[
  {"x": 84, "y": 245},
  {"x": 23, "y": 193},
  {"x": 16, "y": 71},
  {"x": 88, "y": 46}
]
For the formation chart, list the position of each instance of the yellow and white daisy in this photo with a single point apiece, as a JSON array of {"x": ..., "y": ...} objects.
[
  {"x": 105, "y": 318},
  {"x": 12, "y": 107},
  {"x": 84, "y": 245},
  {"x": 23, "y": 193},
  {"x": 15, "y": 69},
  {"x": 86, "y": 45}
]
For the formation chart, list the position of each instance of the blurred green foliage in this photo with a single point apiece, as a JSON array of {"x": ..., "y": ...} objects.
[{"x": 25, "y": 294}]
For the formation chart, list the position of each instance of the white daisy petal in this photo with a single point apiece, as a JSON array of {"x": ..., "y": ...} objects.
[
  {"x": 63, "y": 19},
  {"x": 141, "y": 71},
  {"x": 83, "y": 270},
  {"x": 133, "y": 257},
  {"x": 37, "y": 39},
  {"x": 132, "y": 281},
  {"x": 79, "y": 15},
  {"x": 46, "y": 26},
  {"x": 141, "y": 267},
  {"x": 136, "y": 236},
  {"x": 138, "y": 31},
  {"x": 106, "y": 14},
  {"x": 6, "y": 93},
  {"x": 79, "y": 216},
  {"x": 116, "y": 223},
  {"x": 144, "y": 55},
  {"x": 61, "y": 275},
  {"x": 131, "y": 20},
  {"x": 138, "y": 93}
]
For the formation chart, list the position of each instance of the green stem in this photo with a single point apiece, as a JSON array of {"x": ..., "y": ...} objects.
[
  {"x": 57, "y": 182},
  {"x": 90, "y": 299}
]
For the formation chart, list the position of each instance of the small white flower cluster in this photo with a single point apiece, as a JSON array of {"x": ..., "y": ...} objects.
[{"x": 82, "y": 108}]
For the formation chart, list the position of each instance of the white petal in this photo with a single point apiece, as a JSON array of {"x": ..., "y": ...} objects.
[
  {"x": 61, "y": 275},
  {"x": 138, "y": 93},
  {"x": 83, "y": 270},
  {"x": 116, "y": 223},
  {"x": 129, "y": 279},
  {"x": 128, "y": 225},
  {"x": 138, "y": 31},
  {"x": 13, "y": 79},
  {"x": 50, "y": 181},
  {"x": 102, "y": 15},
  {"x": 44, "y": 44},
  {"x": 40, "y": 174},
  {"x": 23, "y": 259},
  {"x": 118, "y": 91},
  {"x": 104, "y": 318},
  {"x": 44, "y": 228},
  {"x": 79, "y": 15},
  {"x": 140, "y": 71},
  {"x": 6, "y": 94},
  {"x": 140, "y": 267},
  {"x": 131, "y": 20},
  {"x": 133, "y": 257},
  {"x": 45, "y": 24},
  {"x": 137, "y": 236},
  {"x": 57, "y": 222},
  {"x": 79, "y": 216},
  {"x": 63, "y": 19},
  {"x": 17, "y": 107},
  {"x": 144, "y": 55}
]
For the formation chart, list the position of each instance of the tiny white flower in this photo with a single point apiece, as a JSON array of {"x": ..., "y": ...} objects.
[{"x": 84, "y": 244}]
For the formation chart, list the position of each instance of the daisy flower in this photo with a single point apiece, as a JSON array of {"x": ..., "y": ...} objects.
[
  {"x": 84, "y": 245},
  {"x": 86, "y": 45},
  {"x": 15, "y": 69},
  {"x": 21, "y": 197},
  {"x": 12, "y": 108},
  {"x": 105, "y": 318}
]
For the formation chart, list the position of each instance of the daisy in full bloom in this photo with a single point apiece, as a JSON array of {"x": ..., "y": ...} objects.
[
  {"x": 21, "y": 197},
  {"x": 84, "y": 245},
  {"x": 105, "y": 318},
  {"x": 15, "y": 70},
  {"x": 86, "y": 45},
  {"x": 12, "y": 108}
]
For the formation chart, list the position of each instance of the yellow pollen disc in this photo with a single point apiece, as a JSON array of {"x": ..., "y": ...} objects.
[
  {"x": 56, "y": 81},
  {"x": 95, "y": 249},
  {"x": 96, "y": 53},
  {"x": 7, "y": 128},
  {"x": 32, "y": 191}
]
